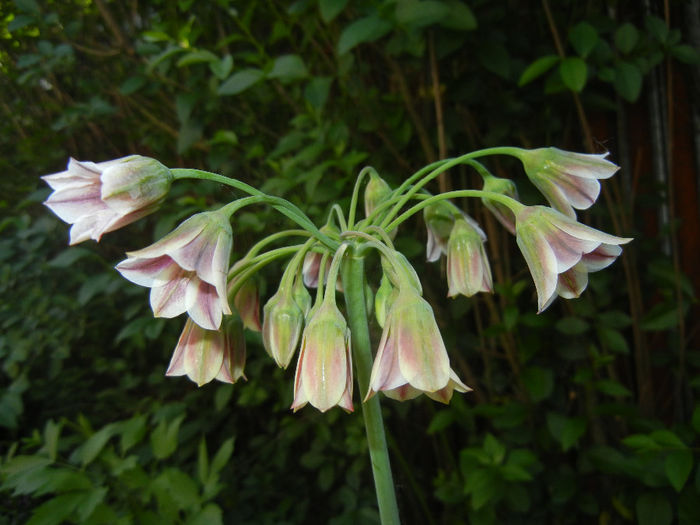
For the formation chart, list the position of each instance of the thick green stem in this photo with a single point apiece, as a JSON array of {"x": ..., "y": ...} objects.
[{"x": 354, "y": 283}]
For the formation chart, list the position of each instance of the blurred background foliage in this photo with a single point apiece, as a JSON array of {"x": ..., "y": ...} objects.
[{"x": 585, "y": 413}]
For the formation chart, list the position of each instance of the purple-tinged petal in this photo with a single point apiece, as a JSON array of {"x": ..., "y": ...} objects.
[
  {"x": 168, "y": 300},
  {"x": 146, "y": 272},
  {"x": 203, "y": 303}
]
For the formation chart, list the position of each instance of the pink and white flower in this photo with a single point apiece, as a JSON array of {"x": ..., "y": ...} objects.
[
  {"x": 186, "y": 270},
  {"x": 468, "y": 270},
  {"x": 97, "y": 198},
  {"x": 567, "y": 180},
  {"x": 560, "y": 251},
  {"x": 204, "y": 355},
  {"x": 411, "y": 358},
  {"x": 324, "y": 369}
]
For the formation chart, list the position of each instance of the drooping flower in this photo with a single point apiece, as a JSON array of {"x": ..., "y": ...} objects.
[
  {"x": 468, "y": 270},
  {"x": 567, "y": 180},
  {"x": 97, "y": 198},
  {"x": 411, "y": 358},
  {"x": 283, "y": 322},
  {"x": 553, "y": 244},
  {"x": 204, "y": 355},
  {"x": 186, "y": 270},
  {"x": 502, "y": 213},
  {"x": 376, "y": 192},
  {"x": 324, "y": 369},
  {"x": 311, "y": 268},
  {"x": 247, "y": 302},
  {"x": 439, "y": 219}
]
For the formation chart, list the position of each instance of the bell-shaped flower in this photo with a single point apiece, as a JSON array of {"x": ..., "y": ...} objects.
[
  {"x": 411, "y": 358},
  {"x": 247, "y": 302},
  {"x": 399, "y": 271},
  {"x": 311, "y": 269},
  {"x": 324, "y": 369},
  {"x": 283, "y": 322},
  {"x": 468, "y": 270},
  {"x": 502, "y": 213},
  {"x": 186, "y": 270},
  {"x": 204, "y": 355},
  {"x": 439, "y": 219},
  {"x": 97, "y": 198},
  {"x": 567, "y": 180},
  {"x": 444, "y": 395},
  {"x": 377, "y": 191},
  {"x": 553, "y": 244}
]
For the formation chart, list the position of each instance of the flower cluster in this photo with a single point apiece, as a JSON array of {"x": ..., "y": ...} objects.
[{"x": 189, "y": 269}]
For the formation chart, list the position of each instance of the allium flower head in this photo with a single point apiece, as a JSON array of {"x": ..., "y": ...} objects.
[
  {"x": 468, "y": 270},
  {"x": 567, "y": 180},
  {"x": 283, "y": 322},
  {"x": 503, "y": 213},
  {"x": 324, "y": 369},
  {"x": 411, "y": 358},
  {"x": 204, "y": 355},
  {"x": 553, "y": 244},
  {"x": 97, "y": 198},
  {"x": 186, "y": 270},
  {"x": 247, "y": 302}
]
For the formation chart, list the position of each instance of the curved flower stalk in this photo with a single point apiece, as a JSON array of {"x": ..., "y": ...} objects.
[
  {"x": 97, "y": 198},
  {"x": 553, "y": 244},
  {"x": 468, "y": 270},
  {"x": 411, "y": 358},
  {"x": 204, "y": 355},
  {"x": 324, "y": 369},
  {"x": 502, "y": 213},
  {"x": 567, "y": 180},
  {"x": 186, "y": 270}
]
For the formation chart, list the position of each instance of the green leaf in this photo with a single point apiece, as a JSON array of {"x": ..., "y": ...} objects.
[
  {"x": 494, "y": 449},
  {"x": 223, "y": 67},
  {"x": 91, "y": 500},
  {"x": 57, "y": 509},
  {"x": 626, "y": 37},
  {"x": 613, "y": 340},
  {"x": 287, "y": 68},
  {"x": 612, "y": 388},
  {"x": 678, "y": 465},
  {"x": 441, "y": 420},
  {"x": 222, "y": 456},
  {"x": 367, "y": 29},
  {"x": 538, "y": 68},
  {"x": 164, "y": 437},
  {"x": 202, "y": 461},
  {"x": 94, "y": 445},
  {"x": 419, "y": 14},
  {"x": 565, "y": 430},
  {"x": 584, "y": 38},
  {"x": 316, "y": 92},
  {"x": 132, "y": 432},
  {"x": 69, "y": 257},
  {"x": 52, "y": 432},
  {"x": 539, "y": 382},
  {"x": 657, "y": 27},
  {"x": 196, "y": 57},
  {"x": 686, "y": 54},
  {"x": 331, "y": 8},
  {"x": 641, "y": 442},
  {"x": 572, "y": 325},
  {"x": 209, "y": 515},
  {"x": 628, "y": 83},
  {"x": 240, "y": 81},
  {"x": 573, "y": 72},
  {"x": 459, "y": 17},
  {"x": 653, "y": 509},
  {"x": 668, "y": 439}
]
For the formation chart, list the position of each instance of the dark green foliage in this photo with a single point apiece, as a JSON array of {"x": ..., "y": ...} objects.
[{"x": 585, "y": 413}]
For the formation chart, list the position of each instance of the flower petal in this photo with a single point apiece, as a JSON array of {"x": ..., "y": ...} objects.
[{"x": 203, "y": 303}]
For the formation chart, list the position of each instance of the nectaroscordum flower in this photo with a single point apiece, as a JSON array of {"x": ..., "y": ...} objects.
[
  {"x": 439, "y": 219},
  {"x": 283, "y": 322},
  {"x": 204, "y": 355},
  {"x": 97, "y": 198},
  {"x": 567, "y": 180},
  {"x": 324, "y": 369},
  {"x": 468, "y": 270},
  {"x": 553, "y": 245},
  {"x": 411, "y": 358},
  {"x": 186, "y": 270},
  {"x": 247, "y": 302},
  {"x": 376, "y": 192}
]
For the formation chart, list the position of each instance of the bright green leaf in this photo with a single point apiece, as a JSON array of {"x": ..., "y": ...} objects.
[
  {"x": 222, "y": 68},
  {"x": 222, "y": 456},
  {"x": 94, "y": 444},
  {"x": 538, "y": 68},
  {"x": 164, "y": 437},
  {"x": 56, "y": 510},
  {"x": 196, "y": 57},
  {"x": 573, "y": 72}
]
